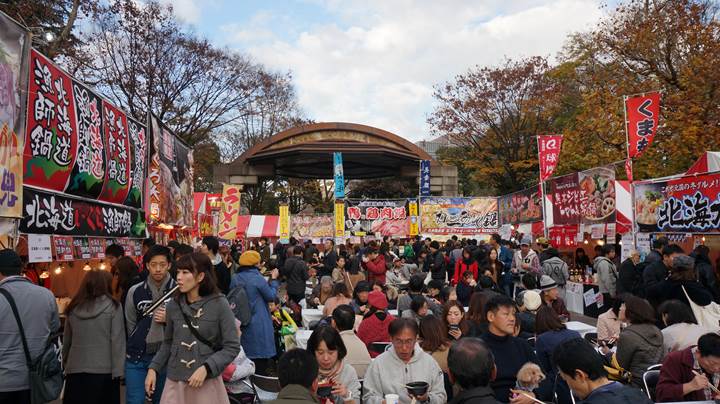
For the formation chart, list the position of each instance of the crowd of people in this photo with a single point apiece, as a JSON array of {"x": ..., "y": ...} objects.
[{"x": 402, "y": 320}]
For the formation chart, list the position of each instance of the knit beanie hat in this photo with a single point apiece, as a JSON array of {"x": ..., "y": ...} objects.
[
  {"x": 547, "y": 283},
  {"x": 249, "y": 258},
  {"x": 526, "y": 240},
  {"x": 378, "y": 300}
]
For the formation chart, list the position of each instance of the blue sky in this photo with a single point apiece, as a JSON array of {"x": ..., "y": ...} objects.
[{"x": 375, "y": 62}]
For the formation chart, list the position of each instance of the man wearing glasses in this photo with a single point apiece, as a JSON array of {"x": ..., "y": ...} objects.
[
  {"x": 405, "y": 362},
  {"x": 145, "y": 334}
]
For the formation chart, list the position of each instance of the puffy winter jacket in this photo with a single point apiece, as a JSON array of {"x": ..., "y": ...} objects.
[{"x": 639, "y": 346}]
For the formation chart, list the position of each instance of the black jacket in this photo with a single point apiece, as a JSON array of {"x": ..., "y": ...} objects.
[
  {"x": 329, "y": 263},
  {"x": 616, "y": 394},
  {"x": 629, "y": 278},
  {"x": 437, "y": 265},
  {"x": 670, "y": 289},
  {"x": 295, "y": 272},
  {"x": 478, "y": 395},
  {"x": 222, "y": 273},
  {"x": 706, "y": 276},
  {"x": 654, "y": 273}
]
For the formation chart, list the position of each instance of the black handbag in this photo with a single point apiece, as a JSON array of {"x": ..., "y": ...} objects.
[{"x": 46, "y": 374}]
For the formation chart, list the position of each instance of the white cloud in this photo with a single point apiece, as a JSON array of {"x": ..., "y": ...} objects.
[
  {"x": 186, "y": 10},
  {"x": 378, "y": 62}
]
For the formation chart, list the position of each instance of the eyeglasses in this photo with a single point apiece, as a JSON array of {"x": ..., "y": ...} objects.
[
  {"x": 158, "y": 265},
  {"x": 405, "y": 341}
]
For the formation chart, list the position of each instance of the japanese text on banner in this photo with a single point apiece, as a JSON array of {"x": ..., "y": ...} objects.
[
  {"x": 339, "y": 176},
  {"x": 643, "y": 113},
  {"x": 548, "y": 154},
  {"x": 424, "y": 177},
  {"x": 230, "y": 212}
]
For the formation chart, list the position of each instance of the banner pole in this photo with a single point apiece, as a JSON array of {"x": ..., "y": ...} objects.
[
  {"x": 629, "y": 166},
  {"x": 542, "y": 190}
]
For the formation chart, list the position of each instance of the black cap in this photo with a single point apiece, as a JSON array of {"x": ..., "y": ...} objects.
[
  {"x": 9, "y": 259},
  {"x": 173, "y": 244}
]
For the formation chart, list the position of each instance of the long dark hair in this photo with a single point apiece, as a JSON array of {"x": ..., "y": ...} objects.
[
  {"x": 199, "y": 263},
  {"x": 464, "y": 324},
  {"x": 547, "y": 320},
  {"x": 476, "y": 311},
  {"x": 95, "y": 284},
  {"x": 433, "y": 333}
]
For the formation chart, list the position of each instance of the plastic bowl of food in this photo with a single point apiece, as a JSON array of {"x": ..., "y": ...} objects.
[{"x": 417, "y": 388}]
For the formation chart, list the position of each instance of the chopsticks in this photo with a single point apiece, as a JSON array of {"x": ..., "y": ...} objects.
[
  {"x": 713, "y": 388},
  {"x": 532, "y": 398}
]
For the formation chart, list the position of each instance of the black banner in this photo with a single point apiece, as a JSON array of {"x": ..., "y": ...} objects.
[{"x": 47, "y": 213}]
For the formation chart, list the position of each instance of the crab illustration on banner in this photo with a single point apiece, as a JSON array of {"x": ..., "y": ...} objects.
[
  {"x": 643, "y": 113},
  {"x": 548, "y": 154}
]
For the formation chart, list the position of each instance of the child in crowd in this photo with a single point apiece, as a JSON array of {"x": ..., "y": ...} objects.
[{"x": 284, "y": 326}]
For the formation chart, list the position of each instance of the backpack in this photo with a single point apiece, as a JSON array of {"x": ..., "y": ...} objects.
[
  {"x": 240, "y": 305},
  {"x": 554, "y": 271}
]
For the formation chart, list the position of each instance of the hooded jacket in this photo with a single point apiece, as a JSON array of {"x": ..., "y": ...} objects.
[
  {"x": 94, "y": 339},
  {"x": 557, "y": 269},
  {"x": 639, "y": 347},
  {"x": 607, "y": 275},
  {"x": 388, "y": 374},
  {"x": 531, "y": 259}
]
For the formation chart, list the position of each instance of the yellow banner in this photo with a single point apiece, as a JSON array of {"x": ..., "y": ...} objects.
[
  {"x": 413, "y": 213},
  {"x": 339, "y": 219},
  {"x": 284, "y": 222},
  {"x": 230, "y": 212}
]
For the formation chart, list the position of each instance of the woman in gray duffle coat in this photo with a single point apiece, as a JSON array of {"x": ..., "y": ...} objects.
[{"x": 195, "y": 359}]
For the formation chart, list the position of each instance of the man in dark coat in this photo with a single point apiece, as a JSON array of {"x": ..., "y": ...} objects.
[
  {"x": 471, "y": 366},
  {"x": 658, "y": 271},
  {"x": 296, "y": 273},
  {"x": 656, "y": 253},
  {"x": 329, "y": 261},
  {"x": 581, "y": 366},
  {"x": 629, "y": 278},
  {"x": 436, "y": 262}
]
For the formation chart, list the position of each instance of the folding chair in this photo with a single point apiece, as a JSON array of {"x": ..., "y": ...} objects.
[
  {"x": 266, "y": 387},
  {"x": 650, "y": 380}
]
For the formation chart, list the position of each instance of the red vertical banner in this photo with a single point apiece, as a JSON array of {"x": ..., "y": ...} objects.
[
  {"x": 643, "y": 113},
  {"x": 117, "y": 148},
  {"x": 51, "y": 130},
  {"x": 548, "y": 154}
]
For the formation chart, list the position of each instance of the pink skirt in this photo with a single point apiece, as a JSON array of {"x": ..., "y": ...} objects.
[{"x": 211, "y": 392}]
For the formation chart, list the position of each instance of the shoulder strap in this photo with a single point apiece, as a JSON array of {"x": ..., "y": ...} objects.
[
  {"x": 10, "y": 300},
  {"x": 194, "y": 332}
]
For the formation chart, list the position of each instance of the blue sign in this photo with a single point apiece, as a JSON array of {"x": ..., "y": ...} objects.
[
  {"x": 424, "y": 177},
  {"x": 339, "y": 176}
]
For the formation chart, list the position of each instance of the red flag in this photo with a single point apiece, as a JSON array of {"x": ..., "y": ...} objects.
[
  {"x": 548, "y": 154},
  {"x": 642, "y": 114}
]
